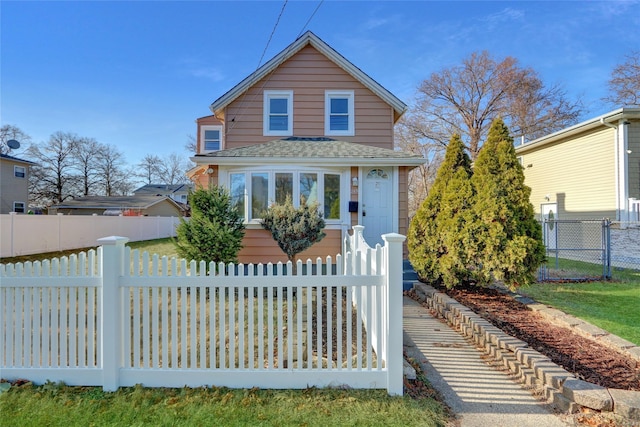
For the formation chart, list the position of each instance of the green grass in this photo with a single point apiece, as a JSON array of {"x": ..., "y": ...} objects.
[
  {"x": 611, "y": 305},
  {"x": 53, "y": 404}
]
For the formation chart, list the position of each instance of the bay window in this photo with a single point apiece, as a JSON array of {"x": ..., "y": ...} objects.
[{"x": 274, "y": 186}]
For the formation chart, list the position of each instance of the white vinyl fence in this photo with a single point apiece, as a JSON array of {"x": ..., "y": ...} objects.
[
  {"x": 34, "y": 234},
  {"x": 115, "y": 317}
]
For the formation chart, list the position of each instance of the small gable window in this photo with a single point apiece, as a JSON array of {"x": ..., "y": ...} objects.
[
  {"x": 19, "y": 207},
  {"x": 339, "y": 113},
  {"x": 19, "y": 171},
  {"x": 211, "y": 138},
  {"x": 278, "y": 113}
]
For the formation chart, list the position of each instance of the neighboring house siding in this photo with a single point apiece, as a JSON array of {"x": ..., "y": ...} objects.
[
  {"x": 13, "y": 189},
  {"x": 567, "y": 173},
  {"x": 308, "y": 73},
  {"x": 634, "y": 159}
]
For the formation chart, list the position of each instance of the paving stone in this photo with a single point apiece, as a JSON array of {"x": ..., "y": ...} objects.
[
  {"x": 562, "y": 403},
  {"x": 510, "y": 343},
  {"x": 626, "y": 403},
  {"x": 555, "y": 376},
  {"x": 408, "y": 371},
  {"x": 591, "y": 330},
  {"x": 586, "y": 394},
  {"x": 617, "y": 342},
  {"x": 634, "y": 352}
]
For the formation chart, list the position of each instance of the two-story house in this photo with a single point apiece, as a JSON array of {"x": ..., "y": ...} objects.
[
  {"x": 14, "y": 184},
  {"x": 312, "y": 125}
]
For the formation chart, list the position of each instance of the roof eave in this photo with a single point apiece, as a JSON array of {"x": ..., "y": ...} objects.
[
  {"x": 313, "y": 161},
  {"x": 610, "y": 117}
]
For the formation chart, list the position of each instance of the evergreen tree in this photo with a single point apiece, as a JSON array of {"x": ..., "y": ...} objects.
[
  {"x": 215, "y": 230},
  {"x": 435, "y": 237},
  {"x": 294, "y": 230},
  {"x": 506, "y": 240}
]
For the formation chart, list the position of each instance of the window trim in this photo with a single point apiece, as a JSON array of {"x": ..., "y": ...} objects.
[
  {"x": 15, "y": 171},
  {"x": 350, "y": 96},
  {"x": 204, "y": 128},
  {"x": 277, "y": 94}
]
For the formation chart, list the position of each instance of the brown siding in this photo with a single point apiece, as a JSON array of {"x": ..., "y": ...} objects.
[
  {"x": 259, "y": 247},
  {"x": 309, "y": 73}
]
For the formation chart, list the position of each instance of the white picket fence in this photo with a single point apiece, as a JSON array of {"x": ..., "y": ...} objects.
[
  {"x": 36, "y": 234},
  {"x": 115, "y": 317}
]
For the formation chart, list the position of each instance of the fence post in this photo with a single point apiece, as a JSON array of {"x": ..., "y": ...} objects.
[
  {"x": 393, "y": 268},
  {"x": 110, "y": 310},
  {"x": 357, "y": 236}
]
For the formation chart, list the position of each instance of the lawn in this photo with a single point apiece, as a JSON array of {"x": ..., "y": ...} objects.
[
  {"x": 53, "y": 404},
  {"x": 611, "y": 305}
]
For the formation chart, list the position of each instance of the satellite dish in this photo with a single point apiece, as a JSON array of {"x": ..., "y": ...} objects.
[{"x": 13, "y": 144}]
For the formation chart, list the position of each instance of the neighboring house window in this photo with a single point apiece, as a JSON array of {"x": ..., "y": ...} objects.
[
  {"x": 19, "y": 171},
  {"x": 211, "y": 138},
  {"x": 266, "y": 187},
  {"x": 278, "y": 113},
  {"x": 18, "y": 207},
  {"x": 339, "y": 113}
]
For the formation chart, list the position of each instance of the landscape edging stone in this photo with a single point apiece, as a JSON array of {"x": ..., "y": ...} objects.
[{"x": 530, "y": 366}]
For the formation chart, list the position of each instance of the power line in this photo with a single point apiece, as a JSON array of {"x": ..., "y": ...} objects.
[{"x": 272, "y": 33}]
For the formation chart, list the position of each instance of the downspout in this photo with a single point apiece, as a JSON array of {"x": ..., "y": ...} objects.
[{"x": 620, "y": 171}]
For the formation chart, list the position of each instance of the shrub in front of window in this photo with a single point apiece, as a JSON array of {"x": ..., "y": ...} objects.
[
  {"x": 215, "y": 230},
  {"x": 294, "y": 229}
]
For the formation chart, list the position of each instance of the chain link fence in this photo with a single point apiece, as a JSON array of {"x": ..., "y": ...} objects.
[{"x": 577, "y": 250}]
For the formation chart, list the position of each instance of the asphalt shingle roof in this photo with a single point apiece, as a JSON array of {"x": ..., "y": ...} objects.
[{"x": 324, "y": 148}]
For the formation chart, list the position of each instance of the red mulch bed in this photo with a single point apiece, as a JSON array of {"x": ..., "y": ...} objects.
[{"x": 585, "y": 358}]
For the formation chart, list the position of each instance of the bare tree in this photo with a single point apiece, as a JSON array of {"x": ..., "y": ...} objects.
[
  {"x": 86, "y": 154},
  {"x": 53, "y": 180},
  {"x": 624, "y": 85},
  {"x": 422, "y": 177},
  {"x": 111, "y": 167},
  {"x": 464, "y": 99},
  {"x": 173, "y": 169},
  {"x": 191, "y": 144},
  {"x": 149, "y": 169},
  {"x": 9, "y": 132}
]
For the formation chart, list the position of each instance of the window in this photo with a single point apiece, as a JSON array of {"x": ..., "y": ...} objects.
[
  {"x": 266, "y": 187},
  {"x": 259, "y": 194},
  {"x": 19, "y": 171},
  {"x": 339, "y": 113},
  {"x": 278, "y": 113},
  {"x": 210, "y": 138},
  {"x": 18, "y": 207},
  {"x": 237, "y": 189}
]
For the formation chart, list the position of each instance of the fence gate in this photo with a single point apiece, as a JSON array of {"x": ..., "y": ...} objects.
[{"x": 577, "y": 250}]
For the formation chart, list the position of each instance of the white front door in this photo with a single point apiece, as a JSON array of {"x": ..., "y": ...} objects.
[{"x": 377, "y": 204}]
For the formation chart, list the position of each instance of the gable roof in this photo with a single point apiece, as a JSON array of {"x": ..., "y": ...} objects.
[
  {"x": 309, "y": 38},
  {"x": 157, "y": 189},
  {"x": 316, "y": 150},
  {"x": 606, "y": 119},
  {"x": 15, "y": 159},
  {"x": 115, "y": 202}
]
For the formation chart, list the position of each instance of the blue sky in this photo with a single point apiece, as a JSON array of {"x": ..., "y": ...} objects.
[{"x": 136, "y": 74}]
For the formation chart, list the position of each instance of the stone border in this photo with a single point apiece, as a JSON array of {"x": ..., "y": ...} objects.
[{"x": 559, "y": 387}]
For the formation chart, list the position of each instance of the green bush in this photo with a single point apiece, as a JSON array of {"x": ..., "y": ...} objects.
[
  {"x": 434, "y": 239},
  {"x": 294, "y": 229},
  {"x": 477, "y": 226},
  {"x": 215, "y": 230},
  {"x": 507, "y": 238}
]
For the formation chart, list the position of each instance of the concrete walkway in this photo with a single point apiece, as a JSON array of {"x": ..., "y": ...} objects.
[{"x": 477, "y": 393}]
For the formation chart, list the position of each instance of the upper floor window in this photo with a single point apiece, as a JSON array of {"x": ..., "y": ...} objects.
[
  {"x": 339, "y": 113},
  {"x": 210, "y": 138},
  {"x": 278, "y": 113},
  {"x": 19, "y": 207},
  {"x": 19, "y": 171}
]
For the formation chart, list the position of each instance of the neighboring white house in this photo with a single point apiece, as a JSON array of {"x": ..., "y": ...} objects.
[{"x": 177, "y": 192}]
